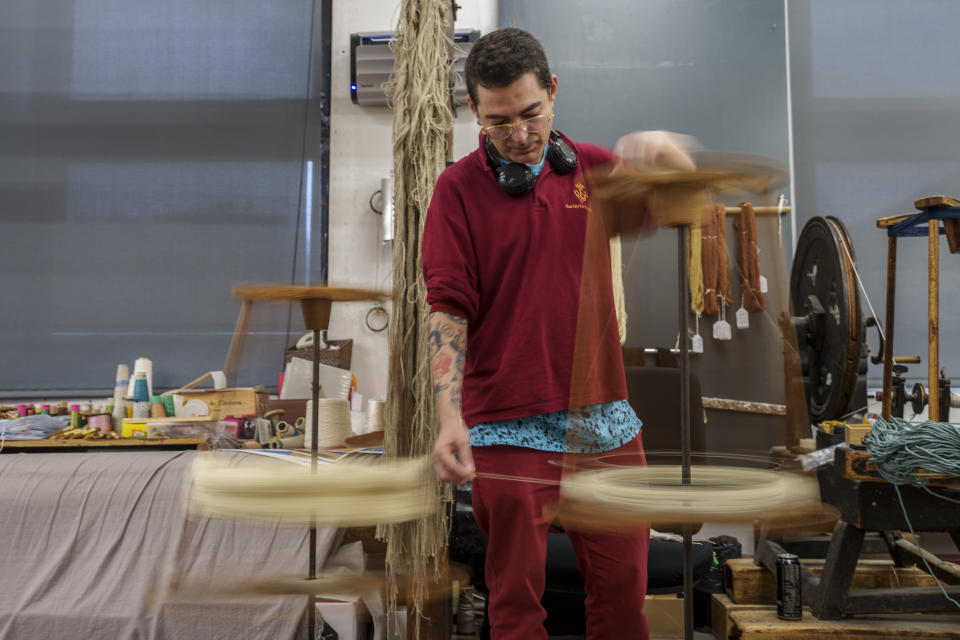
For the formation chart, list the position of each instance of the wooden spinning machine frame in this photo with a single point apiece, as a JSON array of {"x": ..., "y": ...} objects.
[{"x": 851, "y": 484}]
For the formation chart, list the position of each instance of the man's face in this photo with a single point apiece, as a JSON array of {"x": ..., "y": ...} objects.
[{"x": 523, "y": 99}]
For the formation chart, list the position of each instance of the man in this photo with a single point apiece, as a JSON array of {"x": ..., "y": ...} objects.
[{"x": 507, "y": 279}]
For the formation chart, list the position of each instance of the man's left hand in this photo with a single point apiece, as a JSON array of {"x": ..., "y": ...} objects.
[{"x": 657, "y": 150}]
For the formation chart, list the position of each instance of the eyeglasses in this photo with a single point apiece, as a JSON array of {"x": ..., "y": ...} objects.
[{"x": 530, "y": 125}]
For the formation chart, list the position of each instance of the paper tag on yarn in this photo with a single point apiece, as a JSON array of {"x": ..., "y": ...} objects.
[
  {"x": 696, "y": 344},
  {"x": 763, "y": 284},
  {"x": 743, "y": 318},
  {"x": 722, "y": 330}
]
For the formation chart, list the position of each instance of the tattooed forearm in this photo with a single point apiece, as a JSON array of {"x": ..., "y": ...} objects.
[{"x": 448, "y": 352}]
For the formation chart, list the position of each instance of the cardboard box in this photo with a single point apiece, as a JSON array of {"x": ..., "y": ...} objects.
[
  {"x": 170, "y": 428},
  {"x": 347, "y": 616},
  {"x": 219, "y": 402},
  {"x": 223, "y": 403},
  {"x": 134, "y": 428},
  {"x": 664, "y": 615}
]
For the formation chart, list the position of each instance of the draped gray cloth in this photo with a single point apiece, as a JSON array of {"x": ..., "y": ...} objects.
[{"x": 87, "y": 541}]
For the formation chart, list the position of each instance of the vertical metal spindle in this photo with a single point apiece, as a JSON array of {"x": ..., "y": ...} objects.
[
  {"x": 314, "y": 435},
  {"x": 682, "y": 239}
]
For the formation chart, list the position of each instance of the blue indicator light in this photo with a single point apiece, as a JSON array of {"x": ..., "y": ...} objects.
[{"x": 353, "y": 87}]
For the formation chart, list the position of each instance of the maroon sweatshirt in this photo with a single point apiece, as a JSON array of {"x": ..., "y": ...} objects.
[{"x": 537, "y": 341}]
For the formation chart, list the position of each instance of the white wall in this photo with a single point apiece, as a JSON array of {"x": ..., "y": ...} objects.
[{"x": 360, "y": 156}]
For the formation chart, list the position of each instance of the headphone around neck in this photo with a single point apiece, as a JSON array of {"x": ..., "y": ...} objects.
[{"x": 517, "y": 178}]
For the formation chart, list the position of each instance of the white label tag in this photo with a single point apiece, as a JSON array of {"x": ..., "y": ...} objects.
[
  {"x": 722, "y": 331},
  {"x": 696, "y": 344},
  {"x": 763, "y": 284},
  {"x": 743, "y": 318}
]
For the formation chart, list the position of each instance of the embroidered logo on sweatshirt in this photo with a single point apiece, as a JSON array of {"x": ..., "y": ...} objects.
[{"x": 580, "y": 191}]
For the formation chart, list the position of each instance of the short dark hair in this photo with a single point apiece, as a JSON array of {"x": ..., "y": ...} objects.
[{"x": 499, "y": 58}]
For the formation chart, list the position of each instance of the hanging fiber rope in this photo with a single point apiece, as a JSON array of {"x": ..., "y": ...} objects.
[{"x": 422, "y": 120}]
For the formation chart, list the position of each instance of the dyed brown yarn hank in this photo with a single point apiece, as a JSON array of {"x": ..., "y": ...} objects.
[{"x": 748, "y": 257}]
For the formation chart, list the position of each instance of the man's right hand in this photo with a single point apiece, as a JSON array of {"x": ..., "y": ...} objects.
[{"x": 452, "y": 458}]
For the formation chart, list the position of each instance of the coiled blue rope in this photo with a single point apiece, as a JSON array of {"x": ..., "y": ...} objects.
[{"x": 899, "y": 448}]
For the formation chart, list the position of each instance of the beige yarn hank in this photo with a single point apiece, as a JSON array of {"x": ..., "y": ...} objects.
[
  {"x": 616, "y": 276},
  {"x": 639, "y": 495},
  {"x": 422, "y": 120},
  {"x": 350, "y": 493},
  {"x": 695, "y": 268}
]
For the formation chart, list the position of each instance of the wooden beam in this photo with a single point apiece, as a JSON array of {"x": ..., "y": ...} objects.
[
  {"x": 951, "y": 226},
  {"x": 744, "y": 406},
  {"x": 897, "y": 600},
  {"x": 889, "y": 221},
  {"x": 763, "y": 210},
  {"x": 888, "y": 324},
  {"x": 720, "y": 608},
  {"x": 945, "y": 571},
  {"x": 935, "y": 201},
  {"x": 763, "y": 624},
  {"x": 748, "y": 583},
  {"x": 933, "y": 322}
]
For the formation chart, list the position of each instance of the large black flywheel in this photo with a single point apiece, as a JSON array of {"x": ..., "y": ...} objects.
[{"x": 827, "y": 315}]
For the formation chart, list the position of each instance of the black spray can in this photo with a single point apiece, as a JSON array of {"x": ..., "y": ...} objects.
[{"x": 789, "y": 598}]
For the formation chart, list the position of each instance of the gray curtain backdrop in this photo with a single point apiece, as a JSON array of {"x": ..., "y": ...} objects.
[
  {"x": 150, "y": 157},
  {"x": 876, "y": 110}
]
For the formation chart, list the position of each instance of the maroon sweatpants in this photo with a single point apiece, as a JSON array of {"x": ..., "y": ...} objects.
[{"x": 511, "y": 514}]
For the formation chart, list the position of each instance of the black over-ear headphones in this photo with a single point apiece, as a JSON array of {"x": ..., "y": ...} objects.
[{"x": 517, "y": 178}]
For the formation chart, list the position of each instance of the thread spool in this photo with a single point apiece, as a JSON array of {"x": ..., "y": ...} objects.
[
  {"x": 102, "y": 422},
  {"x": 333, "y": 422},
  {"x": 141, "y": 396},
  {"x": 375, "y": 410},
  {"x": 119, "y": 397},
  {"x": 156, "y": 408},
  {"x": 145, "y": 366},
  {"x": 286, "y": 430},
  {"x": 293, "y": 442}
]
